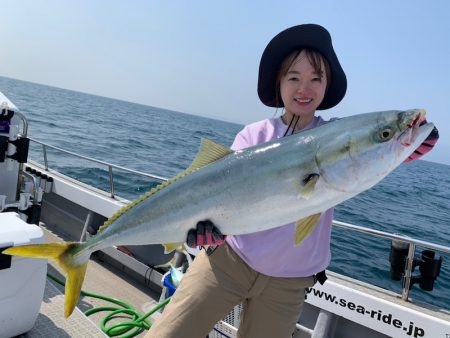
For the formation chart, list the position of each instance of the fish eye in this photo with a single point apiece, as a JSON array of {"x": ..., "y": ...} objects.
[{"x": 385, "y": 134}]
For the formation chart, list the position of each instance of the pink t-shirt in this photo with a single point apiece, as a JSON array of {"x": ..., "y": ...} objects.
[{"x": 272, "y": 252}]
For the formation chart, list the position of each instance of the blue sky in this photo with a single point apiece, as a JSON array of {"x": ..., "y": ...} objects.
[{"x": 202, "y": 57}]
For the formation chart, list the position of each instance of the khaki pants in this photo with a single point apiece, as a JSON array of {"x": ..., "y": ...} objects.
[{"x": 212, "y": 287}]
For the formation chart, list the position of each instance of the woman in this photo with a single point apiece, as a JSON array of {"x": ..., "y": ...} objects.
[{"x": 300, "y": 72}]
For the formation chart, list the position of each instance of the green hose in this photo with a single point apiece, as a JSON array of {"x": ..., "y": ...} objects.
[{"x": 126, "y": 329}]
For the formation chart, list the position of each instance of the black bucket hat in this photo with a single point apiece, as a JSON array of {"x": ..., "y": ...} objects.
[{"x": 309, "y": 36}]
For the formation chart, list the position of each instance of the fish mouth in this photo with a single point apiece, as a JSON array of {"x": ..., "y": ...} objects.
[{"x": 410, "y": 122}]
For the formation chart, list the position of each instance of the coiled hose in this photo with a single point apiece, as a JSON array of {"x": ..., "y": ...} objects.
[{"x": 125, "y": 329}]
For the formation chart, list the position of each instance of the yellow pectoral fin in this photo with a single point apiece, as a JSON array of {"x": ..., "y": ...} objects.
[
  {"x": 304, "y": 227},
  {"x": 169, "y": 247},
  {"x": 168, "y": 264},
  {"x": 309, "y": 185}
]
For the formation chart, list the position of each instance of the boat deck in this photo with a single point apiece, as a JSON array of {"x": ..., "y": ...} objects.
[
  {"x": 101, "y": 278},
  {"x": 51, "y": 321}
]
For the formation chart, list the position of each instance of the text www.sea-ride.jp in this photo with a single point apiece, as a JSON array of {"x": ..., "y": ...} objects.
[{"x": 388, "y": 319}]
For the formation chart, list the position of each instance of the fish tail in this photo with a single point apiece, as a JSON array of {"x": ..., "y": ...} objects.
[{"x": 64, "y": 255}]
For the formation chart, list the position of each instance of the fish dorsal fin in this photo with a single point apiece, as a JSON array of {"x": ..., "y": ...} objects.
[
  {"x": 169, "y": 247},
  {"x": 304, "y": 227},
  {"x": 208, "y": 153}
]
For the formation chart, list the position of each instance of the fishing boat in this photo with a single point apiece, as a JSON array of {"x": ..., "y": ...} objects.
[{"x": 38, "y": 204}]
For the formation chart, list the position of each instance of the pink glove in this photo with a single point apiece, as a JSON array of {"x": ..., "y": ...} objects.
[
  {"x": 205, "y": 233},
  {"x": 426, "y": 146}
]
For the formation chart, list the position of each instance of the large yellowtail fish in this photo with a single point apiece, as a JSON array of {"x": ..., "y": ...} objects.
[{"x": 293, "y": 179}]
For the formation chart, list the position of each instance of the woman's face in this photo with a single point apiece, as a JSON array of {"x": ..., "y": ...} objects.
[{"x": 302, "y": 89}]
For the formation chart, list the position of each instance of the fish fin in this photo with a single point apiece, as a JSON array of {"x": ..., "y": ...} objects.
[
  {"x": 304, "y": 227},
  {"x": 62, "y": 253},
  {"x": 167, "y": 264},
  {"x": 208, "y": 153},
  {"x": 75, "y": 278},
  {"x": 51, "y": 250},
  {"x": 169, "y": 247},
  {"x": 308, "y": 185}
]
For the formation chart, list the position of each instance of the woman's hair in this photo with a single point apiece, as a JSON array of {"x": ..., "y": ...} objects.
[{"x": 314, "y": 58}]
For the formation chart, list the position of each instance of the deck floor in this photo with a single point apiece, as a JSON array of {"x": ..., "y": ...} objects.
[
  {"x": 101, "y": 278},
  {"x": 51, "y": 321}
]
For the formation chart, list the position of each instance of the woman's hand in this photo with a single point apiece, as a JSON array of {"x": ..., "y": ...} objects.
[{"x": 205, "y": 233}]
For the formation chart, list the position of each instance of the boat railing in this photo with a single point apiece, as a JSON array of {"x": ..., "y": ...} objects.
[
  {"x": 108, "y": 165},
  {"x": 413, "y": 243}
]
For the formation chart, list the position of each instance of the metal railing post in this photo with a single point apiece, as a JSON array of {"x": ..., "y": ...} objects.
[
  {"x": 408, "y": 271},
  {"x": 44, "y": 152},
  {"x": 111, "y": 181}
]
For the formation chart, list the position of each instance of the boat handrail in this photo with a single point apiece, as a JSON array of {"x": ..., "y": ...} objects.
[
  {"x": 107, "y": 164},
  {"x": 394, "y": 237},
  {"x": 413, "y": 243}
]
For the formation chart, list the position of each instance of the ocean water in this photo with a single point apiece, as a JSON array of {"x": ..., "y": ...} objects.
[{"x": 414, "y": 200}]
